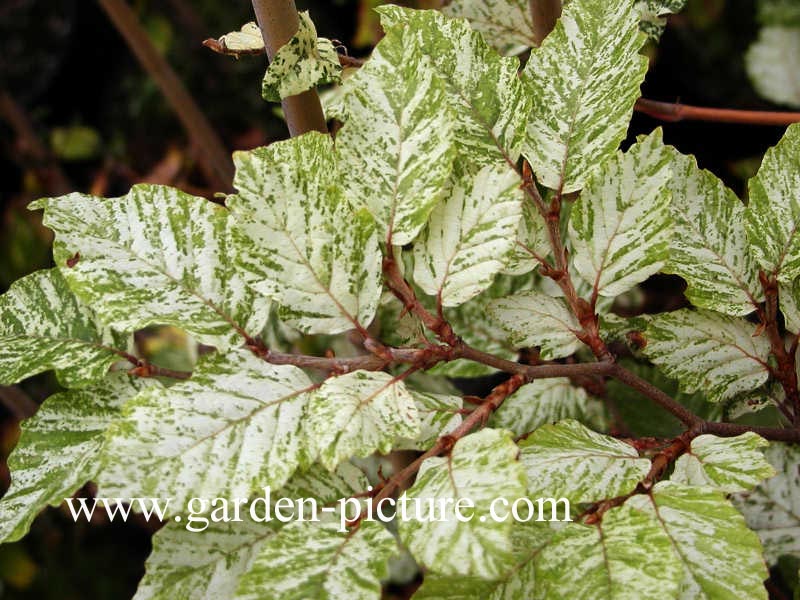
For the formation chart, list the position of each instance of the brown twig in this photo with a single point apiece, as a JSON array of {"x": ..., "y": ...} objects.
[
  {"x": 544, "y": 13},
  {"x": 279, "y": 22},
  {"x": 215, "y": 160},
  {"x": 672, "y": 112}
]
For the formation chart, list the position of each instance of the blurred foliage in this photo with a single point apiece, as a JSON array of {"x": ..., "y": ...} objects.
[{"x": 103, "y": 124}]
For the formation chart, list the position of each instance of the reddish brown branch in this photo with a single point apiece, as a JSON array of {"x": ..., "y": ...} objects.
[
  {"x": 544, "y": 13},
  {"x": 215, "y": 160},
  {"x": 672, "y": 112}
]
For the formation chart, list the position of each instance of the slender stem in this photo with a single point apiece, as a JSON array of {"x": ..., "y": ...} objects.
[
  {"x": 544, "y": 13},
  {"x": 671, "y": 112},
  {"x": 215, "y": 160},
  {"x": 279, "y": 22}
]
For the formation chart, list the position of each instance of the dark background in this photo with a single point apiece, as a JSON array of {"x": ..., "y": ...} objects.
[{"x": 99, "y": 121}]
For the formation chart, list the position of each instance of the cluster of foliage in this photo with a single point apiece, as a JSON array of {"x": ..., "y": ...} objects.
[{"x": 469, "y": 218}]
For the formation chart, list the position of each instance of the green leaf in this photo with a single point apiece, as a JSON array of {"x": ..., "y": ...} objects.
[
  {"x": 771, "y": 64},
  {"x": 708, "y": 352},
  {"x": 721, "y": 558},
  {"x": 397, "y": 143},
  {"x": 540, "y": 402},
  {"x": 627, "y": 556},
  {"x": 315, "y": 560},
  {"x": 620, "y": 227},
  {"x": 469, "y": 237},
  {"x": 518, "y": 582},
  {"x": 653, "y": 14},
  {"x": 568, "y": 460},
  {"x": 359, "y": 413},
  {"x": 43, "y": 326},
  {"x": 481, "y": 467},
  {"x": 232, "y": 428},
  {"x": 505, "y": 24},
  {"x": 772, "y": 218},
  {"x": 156, "y": 256},
  {"x": 298, "y": 240},
  {"x": 789, "y": 296},
  {"x": 189, "y": 561},
  {"x": 709, "y": 248},
  {"x": 773, "y": 508},
  {"x": 59, "y": 448},
  {"x": 438, "y": 414},
  {"x": 484, "y": 88},
  {"x": 536, "y": 319},
  {"x": 304, "y": 62},
  {"x": 778, "y": 12},
  {"x": 728, "y": 464},
  {"x": 583, "y": 81}
]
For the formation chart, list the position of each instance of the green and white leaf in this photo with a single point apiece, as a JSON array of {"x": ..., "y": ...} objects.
[
  {"x": 627, "y": 556},
  {"x": 535, "y": 319},
  {"x": 772, "y": 63},
  {"x": 517, "y": 582},
  {"x": 59, "y": 448},
  {"x": 727, "y": 464},
  {"x": 621, "y": 226},
  {"x": 481, "y": 467},
  {"x": 438, "y": 414},
  {"x": 315, "y": 560},
  {"x": 397, "y": 143},
  {"x": 360, "y": 413},
  {"x": 43, "y": 326},
  {"x": 304, "y": 62},
  {"x": 789, "y": 296},
  {"x": 571, "y": 461},
  {"x": 772, "y": 218},
  {"x": 720, "y": 556},
  {"x": 299, "y": 242},
  {"x": 709, "y": 352},
  {"x": 653, "y": 15},
  {"x": 156, "y": 256},
  {"x": 709, "y": 248},
  {"x": 207, "y": 563},
  {"x": 234, "y": 427},
  {"x": 773, "y": 509},
  {"x": 505, "y": 24},
  {"x": 469, "y": 236},
  {"x": 532, "y": 244},
  {"x": 583, "y": 81},
  {"x": 540, "y": 402},
  {"x": 484, "y": 88}
]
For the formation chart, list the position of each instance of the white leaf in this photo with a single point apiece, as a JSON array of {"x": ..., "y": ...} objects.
[{"x": 773, "y": 61}]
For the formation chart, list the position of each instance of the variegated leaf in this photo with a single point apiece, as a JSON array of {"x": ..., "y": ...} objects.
[
  {"x": 397, "y": 145},
  {"x": 485, "y": 90},
  {"x": 234, "y": 427},
  {"x": 540, "y": 402},
  {"x": 583, "y": 80},
  {"x": 359, "y": 413},
  {"x": 789, "y": 295},
  {"x": 709, "y": 248},
  {"x": 304, "y": 62},
  {"x": 438, "y": 414},
  {"x": 481, "y": 467},
  {"x": 156, "y": 256},
  {"x": 536, "y": 319},
  {"x": 248, "y": 40},
  {"x": 626, "y": 556},
  {"x": 772, "y": 217},
  {"x": 533, "y": 242},
  {"x": 709, "y": 352},
  {"x": 621, "y": 227},
  {"x": 518, "y": 581},
  {"x": 204, "y": 560},
  {"x": 728, "y": 464},
  {"x": 298, "y": 240},
  {"x": 43, "y": 326},
  {"x": 568, "y": 460},
  {"x": 653, "y": 15},
  {"x": 772, "y": 62},
  {"x": 470, "y": 236},
  {"x": 505, "y": 24},
  {"x": 316, "y": 560},
  {"x": 59, "y": 448},
  {"x": 773, "y": 509},
  {"x": 719, "y": 555}
]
